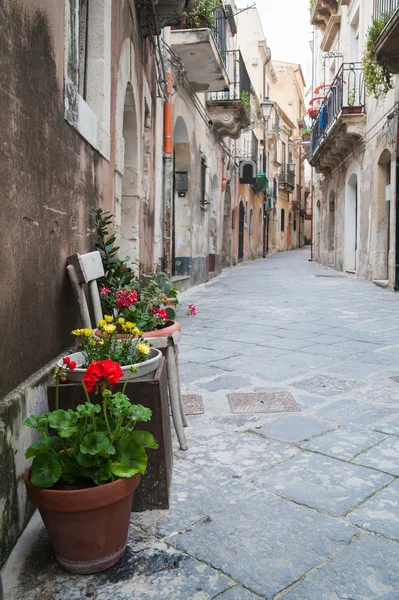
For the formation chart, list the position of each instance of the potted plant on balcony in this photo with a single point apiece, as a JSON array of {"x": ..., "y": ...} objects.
[
  {"x": 299, "y": 122},
  {"x": 305, "y": 133},
  {"x": 377, "y": 79},
  {"x": 135, "y": 356},
  {"x": 199, "y": 14},
  {"x": 86, "y": 467},
  {"x": 351, "y": 109}
]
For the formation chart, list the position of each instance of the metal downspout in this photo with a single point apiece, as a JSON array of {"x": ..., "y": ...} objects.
[{"x": 167, "y": 164}]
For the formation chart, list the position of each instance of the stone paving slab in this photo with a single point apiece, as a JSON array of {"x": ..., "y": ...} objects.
[
  {"x": 225, "y": 382},
  {"x": 326, "y": 385},
  {"x": 384, "y": 457},
  {"x": 367, "y": 569},
  {"x": 380, "y": 514},
  {"x": 196, "y": 493},
  {"x": 191, "y": 372},
  {"x": 344, "y": 443},
  {"x": 294, "y": 429},
  {"x": 350, "y": 411},
  {"x": 238, "y": 593},
  {"x": 353, "y": 370},
  {"x": 264, "y": 542},
  {"x": 322, "y": 482},
  {"x": 236, "y": 453}
]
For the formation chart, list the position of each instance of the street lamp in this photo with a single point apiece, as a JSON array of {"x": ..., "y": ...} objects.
[{"x": 266, "y": 107}]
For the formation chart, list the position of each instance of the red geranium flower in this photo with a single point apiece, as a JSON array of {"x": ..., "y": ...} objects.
[
  {"x": 102, "y": 374},
  {"x": 125, "y": 298},
  {"x": 105, "y": 291},
  {"x": 70, "y": 363},
  {"x": 161, "y": 314},
  {"x": 192, "y": 309}
]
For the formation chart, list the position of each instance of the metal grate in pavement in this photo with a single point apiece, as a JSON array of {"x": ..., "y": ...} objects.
[
  {"x": 192, "y": 404},
  {"x": 265, "y": 402}
]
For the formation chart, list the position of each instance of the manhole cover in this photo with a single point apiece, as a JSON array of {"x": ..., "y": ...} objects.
[
  {"x": 192, "y": 404},
  {"x": 265, "y": 402}
]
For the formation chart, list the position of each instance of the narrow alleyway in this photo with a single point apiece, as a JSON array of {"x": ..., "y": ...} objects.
[{"x": 297, "y": 503}]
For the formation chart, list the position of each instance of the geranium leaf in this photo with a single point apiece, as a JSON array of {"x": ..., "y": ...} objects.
[
  {"x": 44, "y": 446},
  {"x": 138, "y": 412},
  {"x": 121, "y": 470},
  {"x": 64, "y": 422},
  {"x": 101, "y": 475},
  {"x": 143, "y": 438},
  {"x": 95, "y": 443},
  {"x": 130, "y": 454},
  {"x": 46, "y": 470},
  {"x": 88, "y": 460}
]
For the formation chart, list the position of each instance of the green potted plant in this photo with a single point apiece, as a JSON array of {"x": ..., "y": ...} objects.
[
  {"x": 86, "y": 467},
  {"x": 200, "y": 15},
  {"x": 377, "y": 79},
  {"x": 305, "y": 133},
  {"x": 299, "y": 122},
  {"x": 135, "y": 356}
]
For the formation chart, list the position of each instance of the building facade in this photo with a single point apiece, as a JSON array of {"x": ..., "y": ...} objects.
[{"x": 353, "y": 145}]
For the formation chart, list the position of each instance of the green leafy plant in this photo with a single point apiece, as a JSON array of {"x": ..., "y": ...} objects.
[
  {"x": 352, "y": 97},
  {"x": 312, "y": 4},
  {"x": 117, "y": 272},
  {"x": 305, "y": 132},
  {"x": 202, "y": 14},
  {"x": 377, "y": 79},
  {"x": 94, "y": 444},
  {"x": 245, "y": 100}
]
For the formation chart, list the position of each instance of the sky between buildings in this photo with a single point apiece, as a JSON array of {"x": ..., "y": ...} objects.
[{"x": 287, "y": 30}]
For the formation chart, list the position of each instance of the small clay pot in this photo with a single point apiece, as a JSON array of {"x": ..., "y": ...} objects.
[{"x": 87, "y": 528}]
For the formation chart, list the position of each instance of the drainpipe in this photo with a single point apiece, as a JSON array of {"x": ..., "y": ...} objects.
[
  {"x": 396, "y": 287},
  {"x": 167, "y": 164}
]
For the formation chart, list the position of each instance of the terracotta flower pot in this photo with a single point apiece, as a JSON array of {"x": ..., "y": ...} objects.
[{"x": 87, "y": 528}]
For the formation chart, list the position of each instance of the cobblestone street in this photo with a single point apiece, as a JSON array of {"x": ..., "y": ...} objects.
[{"x": 298, "y": 503}]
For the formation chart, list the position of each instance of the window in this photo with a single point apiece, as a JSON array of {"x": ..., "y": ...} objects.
[
  {"x": 294, "y": 224},
  {"x": 283, "y": 156},
  {"x": 282, "y": 219},
  {"x": 87, "y": 89},
  {"x": 203, "y": 182}
]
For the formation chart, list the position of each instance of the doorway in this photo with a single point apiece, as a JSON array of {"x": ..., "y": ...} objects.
[
  {"x": 241, "y": 221},
  {"x": 351, "y": 228},
  {"x": 331, "y": 228},
  {"x": 181, "y": 200}
]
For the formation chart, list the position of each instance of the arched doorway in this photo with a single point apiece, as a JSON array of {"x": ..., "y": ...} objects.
[
  {"x": 130, "y": 197},
  {"x": 382, "y": 206},
  {"x": 331, "y": 228},
  {"x": 181, "y": 209},
  {"x": 241, "y": 220},
  {"x": 351, "y": 229}
]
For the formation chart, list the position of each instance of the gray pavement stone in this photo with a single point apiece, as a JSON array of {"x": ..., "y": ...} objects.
[
  {"x": 192, "y": 372},
  {"x": 225, "y": 382},
  {"x": 366, "y": 569},
  {"x": 350, "y": 411},
  {"x": 380, "y": 514},
  {"x": 384, "y": 457},
  {"x": 322, "y": 482},
  {"x": 306, "y": 400},
  {"x": 353, "y": 370},
  {"x": 326, "y": 385},
  {"x": 204, "y": 355},
  {"x": 345, "y": 442},
  {"x": 236, "y": 453},
  {"x": 238, "y": 593},
  {"x": 264, "y": 542},
  {"x": 294, "y": 429}
]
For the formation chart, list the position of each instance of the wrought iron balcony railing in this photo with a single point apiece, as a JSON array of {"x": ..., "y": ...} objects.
[
  {"x": 286, "y": 179},
  {"x": 385, "y": 9},
  {"x": 239, "y": 79},
  {"x": 345, "y": 96}
]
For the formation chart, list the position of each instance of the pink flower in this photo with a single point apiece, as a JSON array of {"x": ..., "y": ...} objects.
[
  {"x": 192, "y": 309},
  {"x": 161, "y": 314},
  {"x": 125, "y": 298},
  {"x": 105, "y": 291}
]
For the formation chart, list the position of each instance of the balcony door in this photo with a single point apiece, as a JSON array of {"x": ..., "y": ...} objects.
[
  {"x": 241, "y": 220},
  {"x": 351, "y": 228}
]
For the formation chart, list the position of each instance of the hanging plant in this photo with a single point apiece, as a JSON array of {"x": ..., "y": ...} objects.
[
  {"x": 203, "y": 15},
  {"x": 377, "y": 79},
  {"x": 245, "y": 101}
]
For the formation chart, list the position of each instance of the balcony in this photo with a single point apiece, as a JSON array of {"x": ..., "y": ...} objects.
[
  {"x": 203, "y": 54},
  {"x": 322, "y": 11},
  {"x": 230, "y": 110},
  {"x": 168, "y": 12},
  {"x": 340, "y": 120},
  {"x": 387, "y": 44},
  {"x": 286, "y": 181}
]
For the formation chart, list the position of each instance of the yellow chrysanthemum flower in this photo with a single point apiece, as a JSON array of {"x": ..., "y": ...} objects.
[
  {"x": 143, "y": 348},
  {"x": 101, "y": 322},
  {"x": 87, "y": 332},
  {"x": 93, "y": 343},
  {"x": 138, "y": 332},
  {"x": 109, "y": 328},
  {"x": 77, "y": 332},
  {"x": 100, "y": 342},
  {"x": 108, "y": 318},
  {"x": 121, "y": 321},
  {"x": 129, "y": 325},
  {"x": 124, "y": 328}
]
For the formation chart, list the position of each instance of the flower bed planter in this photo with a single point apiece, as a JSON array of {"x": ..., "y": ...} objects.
[
  {"x": 352, "y": 110},
  {"x": 145, "y": 369},
  {"x": 87, "y": 527}
]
